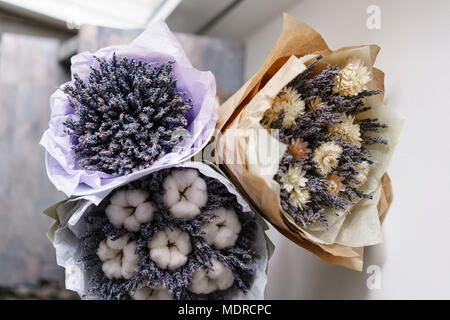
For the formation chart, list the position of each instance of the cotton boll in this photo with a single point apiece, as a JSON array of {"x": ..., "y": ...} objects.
[
  {"x": 177, "y": 259},
  {"x": 205, "y": 281},
  {"x": 199, "y": 282},
  {"x": 184, "y": 209},
  {"x": 117, "y": 244},
  {"x": 171, "y": 194},
  {"x": 184, "y": 178},
  {"x": 136, "y": 197},
  {"x": 181, "y": 240},
  {"x": 132, "y": 224},
  {"x": 226, "y": 280},
  {"x": 117, "y": 215},
  {"x": 223, "y": 231},
  {"x": 135, "y": 210},
  {"x": 120, "y": 261},
  {"x": 104, "y": 252},
  {"x": 169, "y": 249},
  {"x": 130, "y": 260},
  {"x": 119, "y": 199},
  {"x": 161, "y": 256},
  {"x": 113, "y": 268},
  {"x": 197, "y": 193},
  {"x": 144, "y": 212},
  {"x": 185, "y": 192}
]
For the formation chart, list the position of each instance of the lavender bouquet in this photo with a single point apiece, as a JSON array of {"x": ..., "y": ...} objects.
[
  {"x": 182, "y": 232},
  {"x": 128, "y": 109}
]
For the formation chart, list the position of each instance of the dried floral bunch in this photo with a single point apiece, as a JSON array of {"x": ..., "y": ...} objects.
[
  {"x": 138, "y": 245},
  {"x": 328, "y": 160},
  {"x": 128, "y": 115}
]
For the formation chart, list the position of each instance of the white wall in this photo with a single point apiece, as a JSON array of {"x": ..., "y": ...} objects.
[{"x": 415, "y": 51}]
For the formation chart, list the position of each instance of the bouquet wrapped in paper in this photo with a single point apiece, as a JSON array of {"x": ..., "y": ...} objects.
[
  {"x": 308, "y": 140},
  {"x": 181, "y": 232},
  {"x": 127, "y": 110}
]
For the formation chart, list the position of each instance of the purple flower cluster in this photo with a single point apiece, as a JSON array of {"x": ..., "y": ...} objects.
[
  {"x": 240, "y": 258},
  {"x": 127, "y": 115},
  {"x": 312, "y": 127}
]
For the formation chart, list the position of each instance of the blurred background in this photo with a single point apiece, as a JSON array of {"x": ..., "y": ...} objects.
[{"x": 232, "y": 38}]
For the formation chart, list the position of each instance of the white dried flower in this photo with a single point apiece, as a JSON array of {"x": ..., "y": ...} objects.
[
  {"x": 327, "y": 156},
  {"x": 169, "y": 249},
  {"x": 294, "y": 178},
  {"x": 148, "y": 293},
  {"x": 363, "y": 172},
  {"x": 290, "y": 102},
  {"x": 346, "y": 130},
  {"x": 223, "y": 231},
  {"x": 129, "y": 209},
  {"x": 353, "y": 79},
  {"x": 301, "y": 197},
  {"x": 185, "y": 193},
  {"x": 205, "y": 281},
  {"x": 119, "y": 258}
]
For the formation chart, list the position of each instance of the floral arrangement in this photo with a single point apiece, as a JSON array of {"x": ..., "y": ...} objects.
[
  {"x": 179, "y": 233},
  {"x": 327, "y": 160},
  {"x": 128, "y": 110},
  {"x": 308, "y": 139}
]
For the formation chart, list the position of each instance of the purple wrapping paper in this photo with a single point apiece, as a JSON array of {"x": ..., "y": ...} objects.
[{"x": 156, "y": 44}]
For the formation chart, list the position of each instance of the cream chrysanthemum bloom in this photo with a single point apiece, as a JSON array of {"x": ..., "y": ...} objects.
[
  {"x": 300, "y": 198},
  {"x": 353, "y": 79},
  {"x": 294, "y": 179},
  {"x": 290, "y": 102},
  {"x": 363, "y": 172},
  {"x": 347, "y": 130},
  {"x": 327, "y": 156}
]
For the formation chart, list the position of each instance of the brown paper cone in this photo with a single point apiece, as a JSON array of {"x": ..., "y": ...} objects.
[{"x": 297, "y": 40}]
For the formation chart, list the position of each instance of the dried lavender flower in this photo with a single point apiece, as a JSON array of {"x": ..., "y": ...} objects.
[{"x": 127, "y": 115}]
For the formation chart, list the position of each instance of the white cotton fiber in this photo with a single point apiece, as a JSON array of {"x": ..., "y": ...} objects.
[
  {"x": 135, "y": 211},
  {"x": 113, "y": 268},
  {"x": 205, "y": 281},
  {"x": 117, "y": 215},
  {"x": 144, "y": 212},
  {"x": 136, "y": 197},
  {"x": 170, "y": 249},
  {"x": 161, "y": 256},
  {"x": 130, "y": 260},
  {"x": 223, "y": 231},
  {"x": 117, "y": 244},
  {"x": 104, "y": 252},
  {"x": 118, "y": 257},
  {"x": 132, "y": 224},
  {"x": 185, "y": 193},
  {"x": 119, "y": 198},
  {"x": 184, "y": 209}
]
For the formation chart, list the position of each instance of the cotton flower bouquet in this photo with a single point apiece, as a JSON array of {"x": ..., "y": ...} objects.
[
  {"x": 309, "y": 139},
  {"x": 182, "y": 232}
]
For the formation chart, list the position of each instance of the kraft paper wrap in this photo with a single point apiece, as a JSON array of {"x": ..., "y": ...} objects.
[{"x": 297, "y": 44}]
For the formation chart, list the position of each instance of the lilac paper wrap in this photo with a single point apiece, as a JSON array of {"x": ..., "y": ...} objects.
[{"x": 156, "y": 44}]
